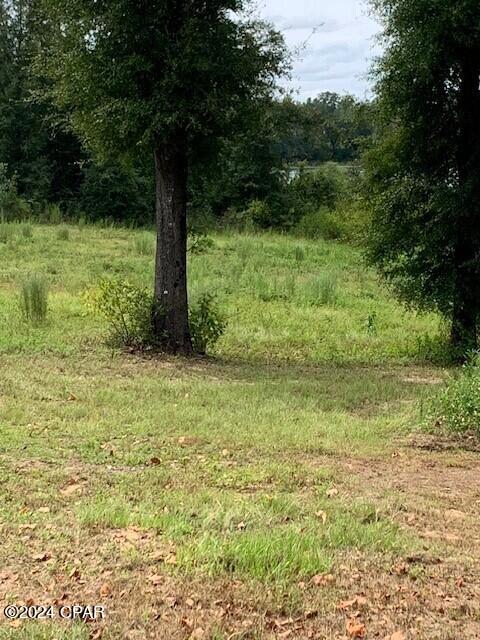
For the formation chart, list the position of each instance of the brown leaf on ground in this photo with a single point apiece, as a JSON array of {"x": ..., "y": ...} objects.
[
  {"x": 322, "y": 580},
  {"x": 356, "y": 629},
  {"x": 106, "y": 590}
]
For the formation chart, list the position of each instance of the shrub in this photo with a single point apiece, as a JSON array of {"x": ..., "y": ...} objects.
[
  {"x": 34, "y": 299},
  {"x": 117, "y": 191},
  {"x": 199, "y": 243},
  {"x": 63, "y": 233},
  {"x": 456, "y": 408},
  {"x": 52, "y": 214},
  {"x": 127, "y": 310},
  {"x": 319, "y": 224},
  {"x": 207, "y": 324}
]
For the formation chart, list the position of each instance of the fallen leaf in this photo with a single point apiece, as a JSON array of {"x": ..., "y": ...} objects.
[
  {"x": 155, "y": 461},
  {"x": 44, "y": 510},
  {"x": 332, "y": 492},
  {"x": 322, "y": 515},
  {"x": 356, "y": 629},
  {"x": 105, "y": 590},
  {"x": 323, "y": 580},
  {"x": 171, "y": 601},
  {"x": 398, "y": 635},
  {"x": 41, "y": 557},
  {"x": 156, "y": 579}
]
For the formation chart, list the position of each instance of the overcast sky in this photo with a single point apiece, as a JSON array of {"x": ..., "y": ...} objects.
[{"x": 338, "y": 54}]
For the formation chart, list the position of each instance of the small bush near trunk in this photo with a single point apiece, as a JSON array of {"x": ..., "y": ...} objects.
[
  {"x": 207, "y": 324},
  {"x": 128, "y": 312}
]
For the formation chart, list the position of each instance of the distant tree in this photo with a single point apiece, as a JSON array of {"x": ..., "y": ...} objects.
[
  {"x": 167, "y": 76},
  {"x": 330, "y": 127},
  {"x": 424, "y": 172}
]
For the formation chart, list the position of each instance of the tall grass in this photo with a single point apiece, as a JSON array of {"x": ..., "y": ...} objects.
[
  {"x": 63, "y": 234},
  {"x": 27, "y": 231},
  {"x": 34, "y": 299},
  {"x": 7, "y": 231},
  {"x": 144, "y": 245}
]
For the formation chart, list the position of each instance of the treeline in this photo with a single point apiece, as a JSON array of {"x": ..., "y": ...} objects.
[{"x": 257, "y": 176}]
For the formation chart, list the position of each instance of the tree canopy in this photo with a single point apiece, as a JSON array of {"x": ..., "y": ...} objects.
[{"x": 424, "y": 171}]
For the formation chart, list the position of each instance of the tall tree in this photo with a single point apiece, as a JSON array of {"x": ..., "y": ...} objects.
[
  {"x": 168, "y": 76},
  {"x": 43, "y": 157},
  {"x": 424, "y": 172}
]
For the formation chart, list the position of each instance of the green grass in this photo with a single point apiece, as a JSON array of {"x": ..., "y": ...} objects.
[
  {"x": 232, "y": 460},
  {"x": 310, "y": 310}
]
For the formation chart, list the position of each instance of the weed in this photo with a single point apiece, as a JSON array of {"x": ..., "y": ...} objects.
[
  {"x": 34, "y": 299},
  {"x": 63, "y": 234},
  {"x": 207, "y": 324},
  {"x": 27, "y": 231}
]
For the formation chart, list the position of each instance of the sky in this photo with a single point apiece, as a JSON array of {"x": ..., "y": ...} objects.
[{"x": 338, "y": 39}]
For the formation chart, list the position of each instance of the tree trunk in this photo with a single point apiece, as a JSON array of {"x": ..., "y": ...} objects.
[
  {"x": 466, "y": 300},
  {"x": 170, "y": 319}
]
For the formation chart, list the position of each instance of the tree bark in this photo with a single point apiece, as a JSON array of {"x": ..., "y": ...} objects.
[
  {"x": 170, "y": 318},
  {"x": 466, "y": 302}
]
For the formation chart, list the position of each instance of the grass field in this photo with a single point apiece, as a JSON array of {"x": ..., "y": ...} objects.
[{"x": 278, "y": 489}]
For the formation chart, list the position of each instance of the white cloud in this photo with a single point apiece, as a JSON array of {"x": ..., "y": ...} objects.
[{"x": 335, "y": 39}]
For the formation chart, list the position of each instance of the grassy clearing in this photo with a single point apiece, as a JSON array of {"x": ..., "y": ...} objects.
[{"x": 236, "y": 477}]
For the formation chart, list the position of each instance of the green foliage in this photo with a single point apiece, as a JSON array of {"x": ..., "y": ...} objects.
[
  {"x": 127, "y": 310},
  {"x": 63, "y": 233},
  {"x": 456, "y": 409},
  {"x": 329, "y": 127},
  {"x": 120, "y": 192},
  {"x": 321, "y": 187},
  {"x": 34, "y": 299},
  {"x": 423, "y": 173},
  {"x": 207, "y": 323},
  {"x": 52, "y": 214},
  {"x": 201, "y": 65},
  {"x": 319, "y": 224},
  {"x": 199, "y": 243}
]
